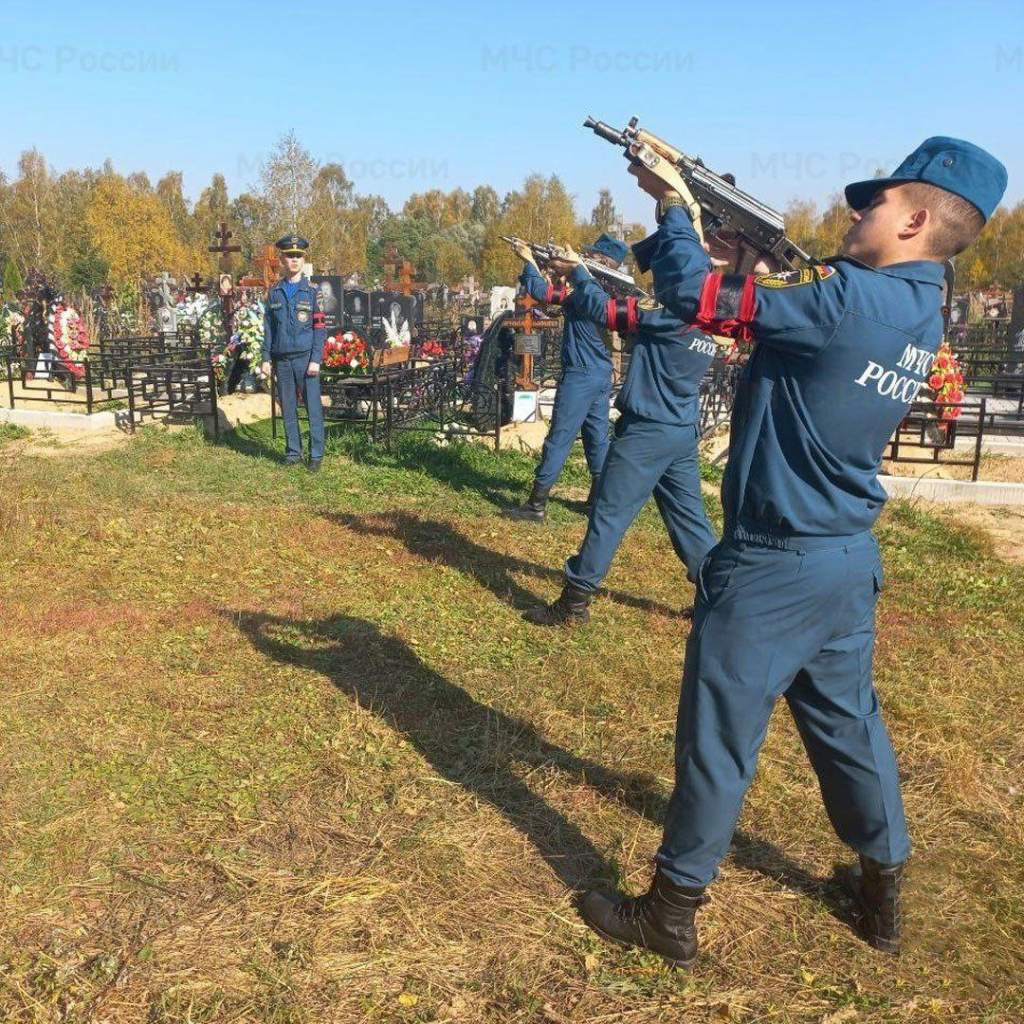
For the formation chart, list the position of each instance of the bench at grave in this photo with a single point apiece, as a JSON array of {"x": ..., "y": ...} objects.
[{"x": 175, "y": 386}]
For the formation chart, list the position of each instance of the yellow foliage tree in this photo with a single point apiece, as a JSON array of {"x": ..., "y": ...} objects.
[
  {"x": 132, "y": 231},
  {"x": 540, "y": 212}
]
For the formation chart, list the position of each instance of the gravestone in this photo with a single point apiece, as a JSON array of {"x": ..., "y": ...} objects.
[
  {"x": 328, "y": 299},
  {"x": 392, "y": 306},
  {"x": 162, "y": 301},
  {"x": 357, "y": 310}
]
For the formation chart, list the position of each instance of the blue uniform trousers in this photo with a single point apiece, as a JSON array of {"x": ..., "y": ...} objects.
[
  {"x": 291, "y": 378},
  {"x": 798, "y": 623},
  {"x": 645, "y": 457},
  {"x": 581, "y": 406}
]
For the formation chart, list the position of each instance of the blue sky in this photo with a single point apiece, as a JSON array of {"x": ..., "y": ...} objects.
[{"x": 795, "y": 100}]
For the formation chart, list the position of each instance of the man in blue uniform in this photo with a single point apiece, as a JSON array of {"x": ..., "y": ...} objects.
[
  {"x": 584, "y": 389},
  {"x": 786, "y": 601},
  {"x": 293, "y": 345},
  {"x": 655, "y": 444}
]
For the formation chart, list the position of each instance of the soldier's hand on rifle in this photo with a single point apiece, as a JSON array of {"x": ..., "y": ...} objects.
[
  {"x": 651, "y": 183},
  {"x": 567, "y": 261},
  {"x": 523, "y": 251}
]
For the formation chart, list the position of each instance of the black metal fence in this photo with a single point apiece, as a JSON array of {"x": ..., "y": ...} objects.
[
  {"x": 924, "y": 435},
  {"x": 428, "y": 395},
  {"x": 145, "y": 375}
]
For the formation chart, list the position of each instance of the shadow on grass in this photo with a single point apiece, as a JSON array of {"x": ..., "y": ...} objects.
[
  {"x": 500, "y": 478},
  {"x": 479, "y": 748},
  {"x": 434, "y": 540},
  {"x": 458, "y": 466},
  {"x": 468, "y": 743}
]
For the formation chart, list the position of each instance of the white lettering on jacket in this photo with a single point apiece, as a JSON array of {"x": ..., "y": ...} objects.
[
  {"x": 705, "y": 347},
  {"x": 890, "y": 384}
]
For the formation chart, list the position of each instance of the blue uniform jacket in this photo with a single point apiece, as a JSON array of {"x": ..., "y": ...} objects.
[
  {"x": 582, "y": 345},
  {"x": 841, "y": 350},
  {"x": 293, "y": 327},
  {"x": 668, "y": 361}
]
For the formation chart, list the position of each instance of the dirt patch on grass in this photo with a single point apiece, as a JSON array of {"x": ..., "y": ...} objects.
[
  {"x": 994, "y": 467},
  {"x": 1003, "y": 524}
]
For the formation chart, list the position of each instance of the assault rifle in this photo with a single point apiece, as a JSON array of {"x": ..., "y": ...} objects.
[
  {"x": 616, "y": 281},
  {"x": 725, "y": 210}
]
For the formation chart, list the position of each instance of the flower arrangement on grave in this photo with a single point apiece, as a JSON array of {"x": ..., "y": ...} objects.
[
  {"x": 191, "y": 310},
  {"x": 10, "y": 320},
  {"x": 432, "y": 349},
  {"x": 346, "y": 353},
  {"x": 68, "y": 337},
  {"x": 395, "y": 336},
  {"x": 220, "y": 362},
  {"x": 247, "y": 335},
  {"x": 947, "y": 383},
  {"x": 197, "y": 311},
  {"x": 471, "y": 345}
]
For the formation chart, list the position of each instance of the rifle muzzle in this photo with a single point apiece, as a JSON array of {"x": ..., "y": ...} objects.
[{"x": 606, "y": 131}]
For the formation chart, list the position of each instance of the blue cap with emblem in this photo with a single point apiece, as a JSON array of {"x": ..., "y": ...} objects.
[
  {"x": 957, "y": 166},
  {"x": 610, "y": 247},
  {"x": 292, "y": 245}
]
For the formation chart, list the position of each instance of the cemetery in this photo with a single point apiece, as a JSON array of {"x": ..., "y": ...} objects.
[{"x": 279, "y": 746}]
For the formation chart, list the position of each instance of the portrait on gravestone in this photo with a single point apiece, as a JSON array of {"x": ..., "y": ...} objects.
[
  {"x": 357, "y": 309},
  {"x": 391, "y": 306},
  {"x": 328, "y": 298},
  {"x": 958, "y": 310},
  {"x": 502, "y": 298}
]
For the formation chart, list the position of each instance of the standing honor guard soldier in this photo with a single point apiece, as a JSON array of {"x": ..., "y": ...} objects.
[
  {"x": 655, "y": 444},
  {"x": 786, "y": 601},
  {"x": 293, "y": 345},
  {"x": 584, "y": 389}
]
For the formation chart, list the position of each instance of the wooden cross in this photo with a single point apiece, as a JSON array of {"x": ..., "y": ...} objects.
[
  {"x": 405, "y": 277},
  {"x": 196, "y": 284},
  {"x": 222, "y": 237},
  {"x": 266, "y": 270},
  {"x": 527, "y": 322}
]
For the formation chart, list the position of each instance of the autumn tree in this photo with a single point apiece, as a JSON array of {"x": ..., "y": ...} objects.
[
  {"x": 542, "y": 210},
  {"x": 13, "y": 281},
  {"x": 604, "y": 216},
  {"x": 132, "y": 231},
  {"x": 286, "y": 183}
]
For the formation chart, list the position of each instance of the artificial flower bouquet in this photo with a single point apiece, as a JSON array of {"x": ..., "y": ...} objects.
[
  {"x": 347, "y": 354},
  {"x": 947, "y": 383}
]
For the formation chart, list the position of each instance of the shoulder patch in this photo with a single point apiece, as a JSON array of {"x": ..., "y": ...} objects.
[{"x": 793, "y": 278}]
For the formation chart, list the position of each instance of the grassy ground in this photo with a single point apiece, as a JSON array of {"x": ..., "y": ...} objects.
[{"x": 279, "y": 748}]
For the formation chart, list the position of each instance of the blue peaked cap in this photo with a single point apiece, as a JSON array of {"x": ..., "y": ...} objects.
[
  {"x": 957, "y": 166},
  {"x": 611, "y": 247}
]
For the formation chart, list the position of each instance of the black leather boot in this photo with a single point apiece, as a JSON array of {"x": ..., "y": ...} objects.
[
  {"x": 661, "y": 920},
  {"x": 595, "y": 483},
  {"x": 569, "y": 608},
  {"x": 876, "y": 889},
  {"x": 533, "y": 508}
]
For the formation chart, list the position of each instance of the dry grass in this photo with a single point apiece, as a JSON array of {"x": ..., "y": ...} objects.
[
  {"x": 280, "y": 749},
  {"x": 994, "y": 467}
]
